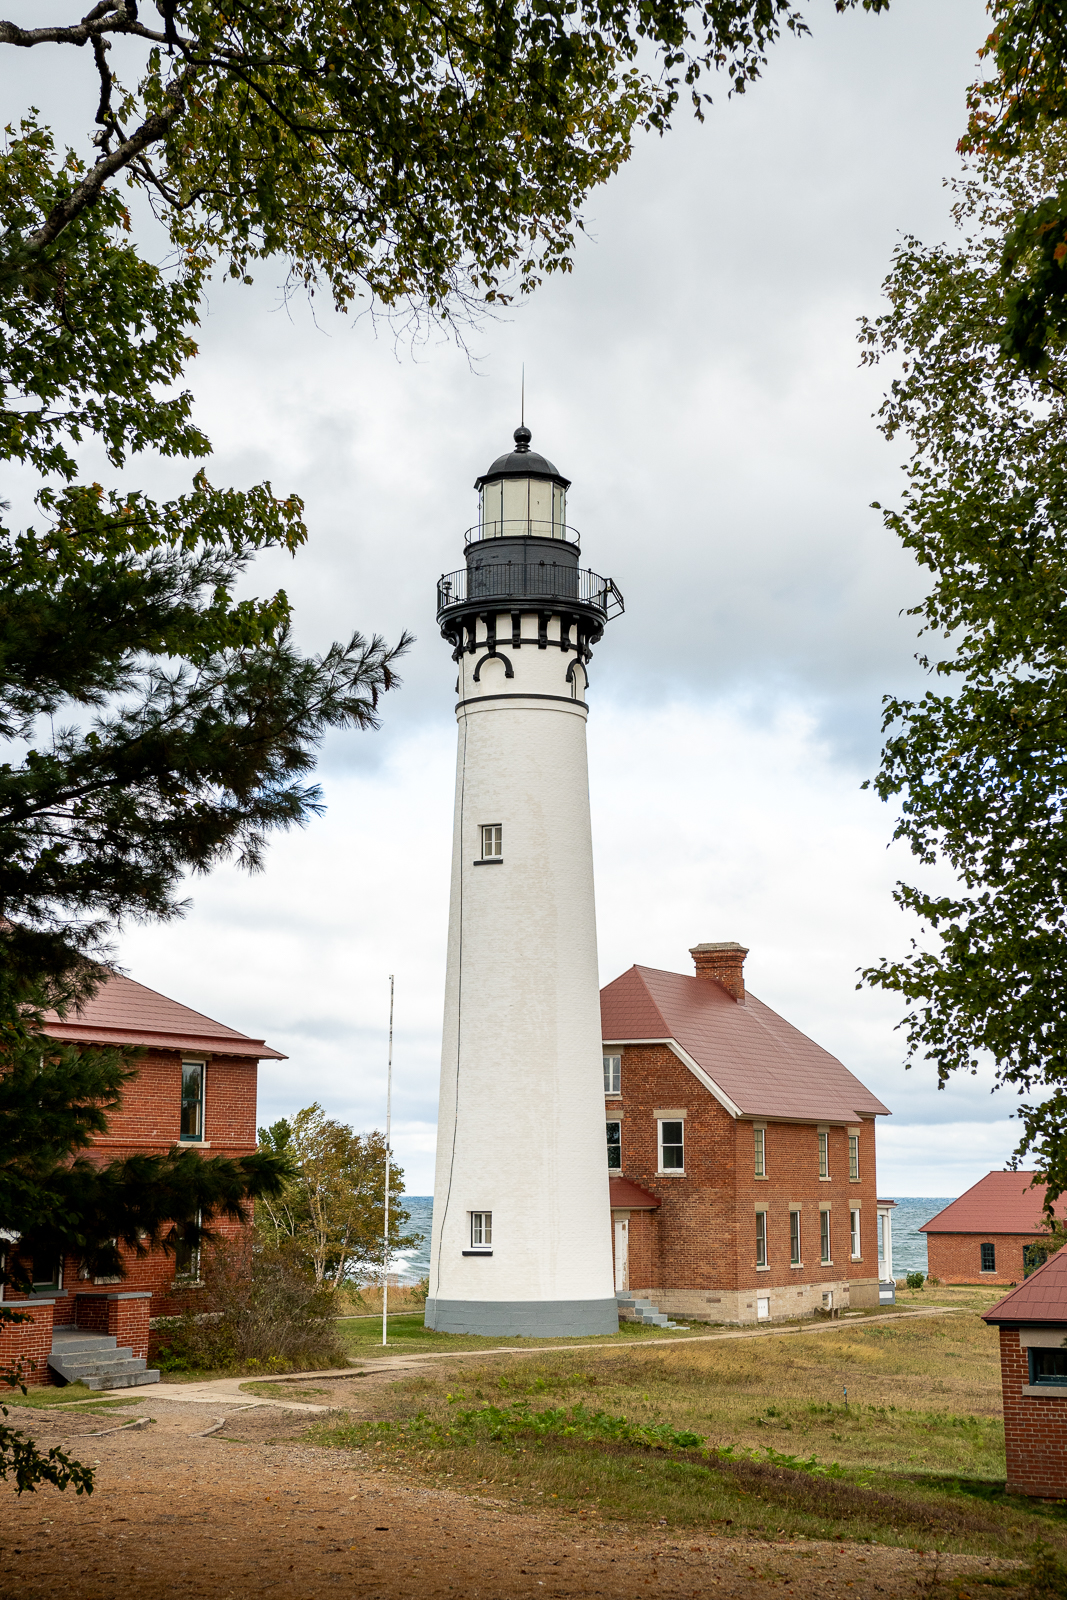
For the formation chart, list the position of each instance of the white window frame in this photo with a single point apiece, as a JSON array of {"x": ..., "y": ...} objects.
[
  {"x": 853, "y": 1157},
  {"x": 481, "y": 1230},
  {"x": 492, "y": 835},
  {"x": 615, "y": 1122},
  {"x": 855, "y": 1239},
  {"x": 613, "y": 1075},
  {"x": 669, "y": 1172},
  {"x": 795, "y": 1233},
  {"x": 826, "y": 1253},
  {"x": 759, "y": 1154},
  {"x": 824, "y": 1155},
  {"x": 761, "y": 1241}
]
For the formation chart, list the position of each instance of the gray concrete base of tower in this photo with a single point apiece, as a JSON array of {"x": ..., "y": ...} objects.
[{"x": 524, "y": 1319}]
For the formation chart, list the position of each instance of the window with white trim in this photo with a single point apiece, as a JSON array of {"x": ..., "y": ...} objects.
[
  {"x": 853, "y": 1155},
  {"x": 481, "y": 1230},
  {"x": 854, "y": 1232},
  {"x": 794, "y": 1239},
  {"x": 492, "y": 840},
  {"x": 192, "y": 1117},
  {"x": 671, "y": 1145},
  {"x": 761, "y": 1238},
  {"x": 824, "y": 1153},
  {"x": 824, "y": 1238},
  {"x": 760, "y": 1140},
  {"x": 614, "y": 1146},
  {"x": 613, "y": 1074}
]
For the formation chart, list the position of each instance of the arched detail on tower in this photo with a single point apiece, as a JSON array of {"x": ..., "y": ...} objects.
[
  {"x": 572, "y": 676},
  {"x": 493, "y": 655}
]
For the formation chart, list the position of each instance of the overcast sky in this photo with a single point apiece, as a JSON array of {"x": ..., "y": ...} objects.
[{"x": 697, "y": 377}]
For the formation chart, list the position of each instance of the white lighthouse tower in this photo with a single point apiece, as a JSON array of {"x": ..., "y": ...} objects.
[{"x": 521, "y": 1222}]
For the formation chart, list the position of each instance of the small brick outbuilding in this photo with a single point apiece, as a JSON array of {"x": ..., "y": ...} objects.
[
  {"x": 994, "y": 1233},
  {"x": 741, "y": 1154},
  {"x": 1032, "y": 1320}
]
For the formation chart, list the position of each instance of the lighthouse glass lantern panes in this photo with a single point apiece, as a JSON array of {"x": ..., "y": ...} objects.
[
  {"x": 761, "y": 1238},
  {"x": 614, "y": 1146},
  {"x": 1048, "y": 1366},
  {"x": 761, "y": 1153},
  {"x": 794, "y": 1239},
  {"x": 989, "y": 1258},
  {"x": 492, "y": 841},
  {"x": 192, "y": 1100},
  {"x": 853, "y": 1155},
  {"x": 481, "y": 1230},
  {"x": 854, "y": 1218},
  {"x": 613, "y": 1074},
  {"x": 671, "y": 1146},
  {"x": 824, "y": 1237},
  {"x": 824, "y": 1155}
]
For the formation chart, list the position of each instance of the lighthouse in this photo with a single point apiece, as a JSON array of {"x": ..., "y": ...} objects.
[{"x": 521, "y": 1223}]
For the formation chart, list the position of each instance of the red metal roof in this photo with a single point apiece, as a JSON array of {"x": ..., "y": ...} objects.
[
  {"x": 1001, "y": 1202},
  {"x": 1042, "y": 1297},
  {"x": 626, "y": 1195},
  {"x": 124, "y": 1012},
  {"x": 757, "y": 1060}
]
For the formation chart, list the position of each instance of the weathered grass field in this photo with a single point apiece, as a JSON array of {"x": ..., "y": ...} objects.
[{"x": 733, "y": 1436}]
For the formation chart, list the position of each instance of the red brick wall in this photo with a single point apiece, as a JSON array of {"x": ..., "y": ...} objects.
[
  {"x": 1035, "y": 1427},
  {"x": 149, "y": 1117},
  {"x": 703, "y": 1236},
  {"x": 957, "y": 1257},
  {"x": 28, "y": 1345}
]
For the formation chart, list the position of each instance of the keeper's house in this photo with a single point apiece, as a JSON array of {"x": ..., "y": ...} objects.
[
  {"x": 741, "y": 1154},
  {"x": 995, "y": 1233},
  {"x": 195, "y": 1089},
  {"x": 1032, "y": 1320}
]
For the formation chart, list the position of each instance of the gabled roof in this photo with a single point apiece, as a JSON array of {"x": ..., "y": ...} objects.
[
  {"x": 758, "y": 1064},
  {"x": 1042, "y": 1297},
  {"x": 624, "y": 1193},
  {"x": 1001, "y": 1202},
  {"x": 124, "y": 1012}
]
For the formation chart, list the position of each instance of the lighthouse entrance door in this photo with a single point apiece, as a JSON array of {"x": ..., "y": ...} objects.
[{"x": 622, "y": 1254}]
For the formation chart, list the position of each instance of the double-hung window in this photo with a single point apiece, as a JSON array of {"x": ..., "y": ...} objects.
[
  {"x": 481, "y": 1230},
  {"x": 671, "y": 1146},
  {"x": 854, "y": 1232},
  {"x": 824, "y": 1153},
  {"x": 192, "y": 1100},
  {"x": 989, "y": 1257},
  {"x": 613, "y": 1074},
  {"x": 761, "y": 1238},
  {"x": 760, "y": 1138},
  {"x": 824, "y": 1238},
  {"x": 614, "y": 1146},
  {"x": 853, "y": 1156},
  {"x": 492, "y": 841},
  {"x": 187, "y": 1251},
  {"x": 794, "y": 1239}
]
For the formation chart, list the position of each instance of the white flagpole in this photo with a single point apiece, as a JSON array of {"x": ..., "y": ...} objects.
[{"x": 388, "y": 1134}]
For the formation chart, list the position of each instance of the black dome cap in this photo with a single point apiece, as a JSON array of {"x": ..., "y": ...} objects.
[{"x": 522, "y": 462}]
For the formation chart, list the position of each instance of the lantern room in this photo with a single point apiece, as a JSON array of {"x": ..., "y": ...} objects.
[{"x": 523, "y": 496}]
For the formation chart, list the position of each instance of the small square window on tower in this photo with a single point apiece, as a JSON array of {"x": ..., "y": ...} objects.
[
  {"x": 613, "y": 1074},
  {"x": 492, "y": 841},
  {"x": 481, "y": 1230}
]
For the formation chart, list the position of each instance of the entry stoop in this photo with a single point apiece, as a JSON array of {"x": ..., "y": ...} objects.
[
  {"x": 96, "y": 1360},
  {"x": 633, "y": 1310}
]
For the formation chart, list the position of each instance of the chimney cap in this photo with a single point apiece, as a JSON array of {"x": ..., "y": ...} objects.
[{"x": 723, "y": 944}]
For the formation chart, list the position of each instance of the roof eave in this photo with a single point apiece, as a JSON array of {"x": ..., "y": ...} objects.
[{"x": 72, "y": 1033}]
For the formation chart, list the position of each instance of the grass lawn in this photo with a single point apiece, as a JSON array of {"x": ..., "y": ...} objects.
[
  {"x": 56, "y": 1395},
  {"x": 737, "y": 1436},
  {"x": 408, "y": 1334}
]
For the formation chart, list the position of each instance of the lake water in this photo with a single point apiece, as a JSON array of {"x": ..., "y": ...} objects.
[{"x": 909, "y": 1245}]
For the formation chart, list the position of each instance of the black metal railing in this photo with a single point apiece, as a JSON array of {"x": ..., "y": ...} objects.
[
  {"x": 545, "y": 582},
  {"x": 521, "y": 528}
]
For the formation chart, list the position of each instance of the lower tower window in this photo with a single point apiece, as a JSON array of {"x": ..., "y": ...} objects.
[
  {"x": 481, "y": 1230},
  {"x": 492, "y": 840}
]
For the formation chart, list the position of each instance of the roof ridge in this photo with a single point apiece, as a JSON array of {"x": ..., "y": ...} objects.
[{"x": 113, "y": 972}]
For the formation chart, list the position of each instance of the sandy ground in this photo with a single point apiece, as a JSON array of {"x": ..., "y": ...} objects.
[{"x": 250, "y": 1510}]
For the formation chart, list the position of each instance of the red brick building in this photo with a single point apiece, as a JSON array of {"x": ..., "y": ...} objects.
[
  {"x": 1032, "y": 1320},
  {"x": 991, "y": 1234},
  {"x": 742, "y": 1155},
  {"x": 196, "y": 1089}
]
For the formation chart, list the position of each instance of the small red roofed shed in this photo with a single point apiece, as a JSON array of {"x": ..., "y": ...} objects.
[
  {"x": 1032, "y": 1320},
  {"x": 993, "y": 1233}
]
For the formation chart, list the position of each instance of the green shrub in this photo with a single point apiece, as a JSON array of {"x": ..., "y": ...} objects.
[
  {"x": 253, "y": 1312},
  {"x": 915, "y": 1280}
]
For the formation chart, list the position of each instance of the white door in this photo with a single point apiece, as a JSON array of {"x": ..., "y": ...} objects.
[
  {"x": 622, "y": 1255},
  {"x": 763, "y": 1307}
]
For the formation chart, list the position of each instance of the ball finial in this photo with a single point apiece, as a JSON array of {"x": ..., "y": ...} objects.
[{"x": 522, "y": 437}]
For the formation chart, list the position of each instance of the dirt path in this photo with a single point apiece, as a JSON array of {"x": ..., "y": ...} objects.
[{"x": 252, "y": 1511}]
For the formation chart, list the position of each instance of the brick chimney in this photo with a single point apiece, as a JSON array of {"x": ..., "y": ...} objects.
[{"x": 725, "y": 962}]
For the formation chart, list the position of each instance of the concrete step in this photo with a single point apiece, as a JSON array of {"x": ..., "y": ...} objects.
[
  {"x": 90, "y": 1364},
  {"x": 70, "y": 1344},
  {"x": 128, "y": 1380}
]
